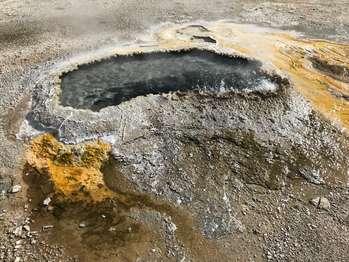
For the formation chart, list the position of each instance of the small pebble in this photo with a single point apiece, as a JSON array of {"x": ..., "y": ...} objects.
[
  {"x": 321, "y": 202},
  {"x": 18, "y": 231},
  {"x": 47, "y": 201},
  {"x": 19, "y": 242},
  {"x": 47, "y": 227},
  {"x": 16, "y": 189}
]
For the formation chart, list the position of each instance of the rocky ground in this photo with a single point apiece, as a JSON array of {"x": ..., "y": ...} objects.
[{"x": 193, "y": 178}]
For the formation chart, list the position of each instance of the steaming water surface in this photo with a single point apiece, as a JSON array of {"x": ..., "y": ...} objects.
[{"x": 118, "y": 79}]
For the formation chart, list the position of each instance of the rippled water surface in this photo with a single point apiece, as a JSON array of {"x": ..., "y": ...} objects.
[{"x": 121, "y": 78}]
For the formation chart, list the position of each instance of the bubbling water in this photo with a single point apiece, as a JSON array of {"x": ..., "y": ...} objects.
[{"x": 121, "y": 78}]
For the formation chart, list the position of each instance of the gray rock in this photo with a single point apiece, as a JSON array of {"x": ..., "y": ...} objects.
[
  {"x": 47, "y": 201},
  {"x": 312, "y": 176},
  {"x": 321, "y": 202},
  {"x": 18, "y": 231},
  {"x": 5, "y": 185},
  {"x": 47, "y": 227},
  {"x": 16, "y": 189}
]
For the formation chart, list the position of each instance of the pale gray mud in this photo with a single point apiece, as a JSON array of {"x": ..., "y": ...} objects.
[{"x": 196, "y": 175}]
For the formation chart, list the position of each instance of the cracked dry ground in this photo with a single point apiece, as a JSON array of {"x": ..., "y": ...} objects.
[{"x": 259, "y": 175}]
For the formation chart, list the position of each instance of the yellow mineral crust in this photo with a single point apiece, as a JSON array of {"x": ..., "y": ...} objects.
[
  {"x": 73, "y": 169},
  {"x": 325, "y": 87}
]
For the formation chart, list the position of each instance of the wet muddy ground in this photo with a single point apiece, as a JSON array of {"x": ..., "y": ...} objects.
[{"x": 174, "y": 176}]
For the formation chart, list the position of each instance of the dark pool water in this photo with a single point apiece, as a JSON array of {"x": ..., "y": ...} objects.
[{"x": 121, "y": 78}]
